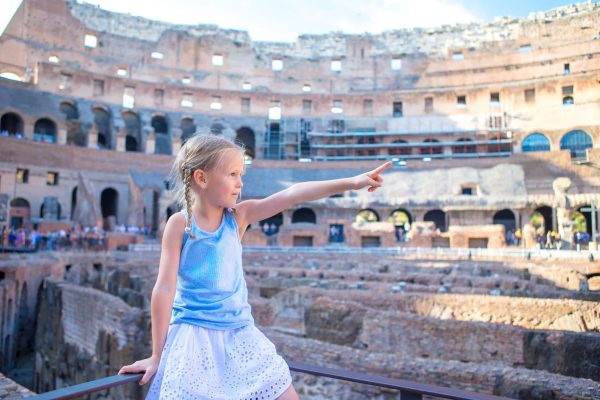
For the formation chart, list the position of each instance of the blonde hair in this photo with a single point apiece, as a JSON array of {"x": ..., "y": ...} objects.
[{"x": 201, "y": 151}]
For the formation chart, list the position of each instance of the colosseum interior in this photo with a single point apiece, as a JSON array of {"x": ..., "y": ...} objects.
[{"x": 493, "y": 129}]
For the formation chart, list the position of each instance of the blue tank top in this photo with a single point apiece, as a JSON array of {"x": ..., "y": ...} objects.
[{"x": 211, "y": 289}]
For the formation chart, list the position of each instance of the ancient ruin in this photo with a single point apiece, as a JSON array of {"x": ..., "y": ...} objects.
[{"x": 493, "y": 128}]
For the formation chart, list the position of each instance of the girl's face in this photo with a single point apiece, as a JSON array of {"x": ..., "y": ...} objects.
[{"x": 225, "y": 181}]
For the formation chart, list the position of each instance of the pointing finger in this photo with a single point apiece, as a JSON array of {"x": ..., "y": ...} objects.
[{"x": 381, "y": 168}]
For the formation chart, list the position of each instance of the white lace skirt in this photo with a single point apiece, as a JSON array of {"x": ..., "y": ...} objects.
[{"x": 201, "y": 363}]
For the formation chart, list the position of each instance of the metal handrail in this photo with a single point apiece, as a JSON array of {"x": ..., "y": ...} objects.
[
  {"x": 409, "y": 390},
  {"x": 73, "y": 392}
]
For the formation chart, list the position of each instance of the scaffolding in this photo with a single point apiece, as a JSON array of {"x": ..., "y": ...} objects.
[{"x": 328, "y": 139}]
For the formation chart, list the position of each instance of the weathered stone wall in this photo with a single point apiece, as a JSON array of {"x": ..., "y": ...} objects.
[
  {"x": 492, "y": 377},
  {"x": 530, "y": 313},
  {"x": 84, "y": 334},
  {"x": 93, "y": 317}
]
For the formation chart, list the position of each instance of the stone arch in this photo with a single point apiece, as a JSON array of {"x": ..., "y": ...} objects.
[
  {"x": 507, "y": 218},
  {"x": 69, "y": 109},
  {"x": 188, "y": 128},
  {"x": 464, "y": 147},
  {"x": 45, "y": 130},
  {"x": 20, "y": 211},
  {"x": 12, "y": 123},
  {"x": 587, "y": 215},
  {"x": 133, "y": 131},
  {"x": 19, "y": 202},
  {"x": 568, "y": 101},
  {"x": 109, "y": 204},
  {"x": 246, "y": 136},
  {"x": 161, "y": 134},
  {"x": 577, "y": 141},
  {"x": 102, "y": 121},
  {"x": 400, "y": 217},
  {"x": 304, "y": 214},
  {"x": 44, "y": 213},
  {"x": 75, "y": 134},
  {"x": 535, "y": 142},
  {"x": 542, "y": 217},
  {"x": 438, "y": 217},
  {"x": 430, "y": 150},
  {"x": 367, "y": 215}
]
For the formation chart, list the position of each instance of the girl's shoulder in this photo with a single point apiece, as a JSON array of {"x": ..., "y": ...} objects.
[{"x": 177, "y": 219}]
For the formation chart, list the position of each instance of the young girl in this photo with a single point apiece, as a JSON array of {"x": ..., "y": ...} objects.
[{"x": 204, "y": 341}]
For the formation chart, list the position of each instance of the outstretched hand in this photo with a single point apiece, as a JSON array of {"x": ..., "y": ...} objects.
[{"x": 372, "y": 178}]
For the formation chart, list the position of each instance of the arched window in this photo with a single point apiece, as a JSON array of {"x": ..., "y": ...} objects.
[
  {"x": 400, "y": 217},
  {"x": 431, "y": 149},
  {"x": 44, "y": 130},
  {"x": 188, "y": 128},
  {"x": 577, "y": 142},
  {"x": 11, "y": 124},
  {"x": 304, "y": 215},
  {"x": 133, "y": 131},
  {"x": 438, "y": 217},
  {"x": 367, "y": 215},
  {"x": 161, "y": 135},
  {"x": 535, "y": 142},
  {"x": 109, "y": 203},
  {"x": 246, "y": 137},
  {"x": 542, "y": 218},
  {"x": 507, "y": 218},
  {"x": 568, "y": 101},
  {"x": 102, "y": 121},
  {"x": 583, "y": 221},
  {"x": 399, "y": 151},
  {"x": 464, "y": 146}
]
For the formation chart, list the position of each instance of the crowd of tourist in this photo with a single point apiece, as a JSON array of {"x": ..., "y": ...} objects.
[
  {"x": 553, "y": 240},
  {"x": 16, "y": 135},
  {"x": 74, "y": 238},
  {"x": 94, "y": 238}
]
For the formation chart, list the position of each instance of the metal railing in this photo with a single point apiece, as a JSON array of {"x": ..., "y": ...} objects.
[
  {"x": 82, "y": 389},
  {"x": 409, "y": 390}
]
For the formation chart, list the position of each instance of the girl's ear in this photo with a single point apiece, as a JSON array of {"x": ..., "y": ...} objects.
[{"x": 199, "y": 177}]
